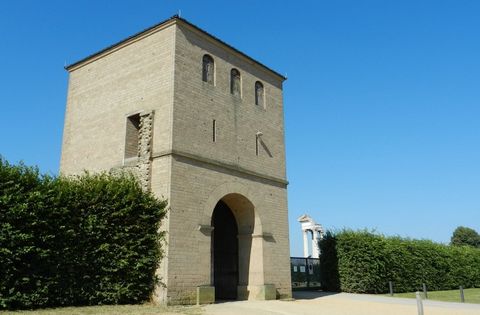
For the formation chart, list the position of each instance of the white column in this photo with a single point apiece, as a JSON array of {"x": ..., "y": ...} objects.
[
  {"x": 315, "y": 249},
  {"x": 305, "y": 243}
]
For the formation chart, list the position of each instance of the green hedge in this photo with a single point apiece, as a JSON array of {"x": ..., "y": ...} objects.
[
  {"x": 364, "y": 262},
  {"x": 92, "y": 239}
]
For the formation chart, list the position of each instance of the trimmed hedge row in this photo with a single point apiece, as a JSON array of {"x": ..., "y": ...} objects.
[
  {"x": 364, "y": 262},
  {"x": 93, "y": 239}
]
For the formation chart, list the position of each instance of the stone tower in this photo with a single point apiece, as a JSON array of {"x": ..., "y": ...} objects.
[{"x": 201, "y": 124}]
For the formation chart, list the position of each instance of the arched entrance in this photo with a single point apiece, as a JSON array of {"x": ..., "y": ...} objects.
[
  {"x": 225, "y": 252},
  {"x": 237, "y": 248}
]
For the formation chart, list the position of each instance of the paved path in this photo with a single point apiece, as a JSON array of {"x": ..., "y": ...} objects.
[{"x": 319, "y": 303}]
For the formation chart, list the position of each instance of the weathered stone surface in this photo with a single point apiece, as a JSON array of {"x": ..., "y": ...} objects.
[
  {"x": 257, "y": 292},
  {"x": 145, "y": 149},
  {"x": 205, "y": 295}
]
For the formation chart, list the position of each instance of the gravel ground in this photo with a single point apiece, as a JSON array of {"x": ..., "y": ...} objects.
[{"x": 319, "y": 303}]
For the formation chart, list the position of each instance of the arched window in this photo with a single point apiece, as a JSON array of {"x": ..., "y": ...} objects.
[
  {"x": 259, "y": 95},
  {"x": 235, "y": 82},
  {"x": 208, "y": 69}
]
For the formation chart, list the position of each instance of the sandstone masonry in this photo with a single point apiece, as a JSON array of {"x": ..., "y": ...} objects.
[{"x": 198, "y": 144}]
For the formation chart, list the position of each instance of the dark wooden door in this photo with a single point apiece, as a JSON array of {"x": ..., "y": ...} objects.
[{"x": 225, "y": 252}]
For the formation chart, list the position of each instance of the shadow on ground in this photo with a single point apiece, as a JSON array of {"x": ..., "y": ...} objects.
[{"x": 310, "y": 295}]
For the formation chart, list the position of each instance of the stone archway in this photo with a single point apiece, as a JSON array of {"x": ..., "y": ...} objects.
[
  {"x": 249, "y": 246},
  {"x": 246, "y": 206}
]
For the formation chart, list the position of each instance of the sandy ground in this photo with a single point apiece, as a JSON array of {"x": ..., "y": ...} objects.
[{"x": 310, "y": 303}]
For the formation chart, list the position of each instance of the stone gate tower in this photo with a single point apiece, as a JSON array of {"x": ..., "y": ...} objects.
[{"x": 201, "y": 124}]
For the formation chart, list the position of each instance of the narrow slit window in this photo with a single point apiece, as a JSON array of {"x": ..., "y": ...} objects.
[
  {"x": 214, "y": 131},
  {"x": 259, "y": 94},
  {"x": 235, "y": 82},
  {"x": 256, "y": 145},
  {"x": 208, "y": 69},
  {"x": 132, "y": 136}
]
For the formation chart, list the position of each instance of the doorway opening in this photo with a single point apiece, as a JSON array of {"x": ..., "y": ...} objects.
[{"x": 225, "y": 252}]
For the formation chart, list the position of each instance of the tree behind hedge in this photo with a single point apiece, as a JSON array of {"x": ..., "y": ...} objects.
[
  {"x": 92, "y": 239},
  {"x": 364, "y": 262},
  {"x": 464, "y": 236}
]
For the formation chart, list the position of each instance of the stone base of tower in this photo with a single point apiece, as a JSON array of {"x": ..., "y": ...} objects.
[
  {"x": 205, "y": 294},
  {"x": 257, "y": 292}
]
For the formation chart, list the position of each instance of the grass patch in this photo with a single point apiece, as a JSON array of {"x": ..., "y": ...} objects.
[
  {"x": 471, "y": 295},
  {"x": 143, "y": 309}
]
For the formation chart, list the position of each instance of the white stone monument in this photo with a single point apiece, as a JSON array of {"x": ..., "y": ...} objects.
[{"x": 309, "y": 226}]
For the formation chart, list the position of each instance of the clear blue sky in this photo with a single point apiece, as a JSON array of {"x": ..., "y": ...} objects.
[{"x": 381, "y": 102}]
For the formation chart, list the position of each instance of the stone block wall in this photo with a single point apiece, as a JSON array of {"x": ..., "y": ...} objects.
[
  {"x": 238, "y": 119},
  {"x": 103, "y": 92}
]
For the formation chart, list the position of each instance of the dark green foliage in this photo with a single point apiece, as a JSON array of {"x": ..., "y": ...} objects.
[
  {"x": 87, "y": 240},
  {"x": 364, "y": 262},
  {"x": 329, "y": 277},
  {"x": 464, "y": 236}
]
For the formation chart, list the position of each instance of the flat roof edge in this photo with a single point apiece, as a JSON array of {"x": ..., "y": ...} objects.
[{"x": 154, "y": 28}]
